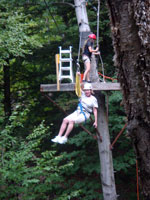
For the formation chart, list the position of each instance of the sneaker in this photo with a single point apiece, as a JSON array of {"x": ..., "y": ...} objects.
[
  {"x": 83, "y": 81},
  {"x": 89, "y": 81},
  {"x": 62, "y": 140},
  {"x": 56, "y": 139}
]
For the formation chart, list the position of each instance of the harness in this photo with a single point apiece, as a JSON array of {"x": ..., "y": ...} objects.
[
  {"x": 81, "y": 110},
  {"x": 86, "y": 58}
]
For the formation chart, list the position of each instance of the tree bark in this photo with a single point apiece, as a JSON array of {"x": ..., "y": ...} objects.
[
  {"x": 106, "y": 162},
  {"x": 130, "y": 26},
  {"x": 82, "y": 18},
  {"x": 7, "y": 99},
  {"x": 107, "y": 173}
]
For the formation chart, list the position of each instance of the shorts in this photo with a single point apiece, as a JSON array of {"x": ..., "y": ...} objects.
[
  {"x": 85, "y": 59},
  {"x": 78, "y": 117}
]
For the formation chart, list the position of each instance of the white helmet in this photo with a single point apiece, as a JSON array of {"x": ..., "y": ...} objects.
[{"x": 87, "y": 86}]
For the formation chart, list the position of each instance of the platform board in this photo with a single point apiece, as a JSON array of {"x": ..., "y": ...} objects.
[{"x": 71, "y": 87}]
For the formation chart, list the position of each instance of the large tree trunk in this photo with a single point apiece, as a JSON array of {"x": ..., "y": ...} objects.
[
  {"x": 107, "y": 172},
  {"x": 130, "y": 25}
]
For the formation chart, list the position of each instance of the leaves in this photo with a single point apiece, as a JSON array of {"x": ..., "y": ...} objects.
[{"x": 15, "y": 41}]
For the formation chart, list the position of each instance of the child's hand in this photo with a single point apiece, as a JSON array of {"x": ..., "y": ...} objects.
[
  {"x": 95, "y": 124},
  {"x": 96, "y": 49}
]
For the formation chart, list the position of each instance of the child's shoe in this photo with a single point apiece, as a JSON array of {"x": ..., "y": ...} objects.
[
  {"x": 56, "y": 139},
  {"x": 62, "y": 140}
]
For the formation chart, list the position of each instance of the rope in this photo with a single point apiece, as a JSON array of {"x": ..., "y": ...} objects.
[
  {"x": 98, "y": 10},
  {"x": 101, "y": 60},
  {"x": 122, "y": 130},
  {"x": 102, "y": 67},
  {"x": 79, "y": 48},
  {"x": 106, "y": 77}
]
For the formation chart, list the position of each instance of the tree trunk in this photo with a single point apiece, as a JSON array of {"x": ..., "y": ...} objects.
[
  {"x": 130, "y": 26},
  {"x": 107, "y": 173},
  {"x": 106, "y": 162},
  {"x": 7, "y": 100},
  {"x": 82, "y": 18}
]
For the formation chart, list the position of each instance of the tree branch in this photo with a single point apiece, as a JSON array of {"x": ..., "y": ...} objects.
[{"x": 69, "y": 4}]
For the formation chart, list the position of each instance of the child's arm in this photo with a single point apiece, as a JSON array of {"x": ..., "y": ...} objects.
[{"x": 95, "y": 116}]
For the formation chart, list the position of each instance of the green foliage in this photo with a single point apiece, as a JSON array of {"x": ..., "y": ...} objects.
[
  {"x": 125, "y": 162},
  {"x": 117, "y": 116},
  {"x": 31, "y": 173},
  {"x": 15, "y": 41},
  {"x": 23, "y": 168}
]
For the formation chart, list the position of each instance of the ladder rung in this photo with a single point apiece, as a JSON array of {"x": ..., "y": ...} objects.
[
  {"x": 65, "y": 51},
  {"x": 65, "y": 76},
  {"x": 65, "y": 59},
  {"x": 66, "y": 68}
]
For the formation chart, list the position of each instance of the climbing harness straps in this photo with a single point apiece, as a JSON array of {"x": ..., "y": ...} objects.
[{"x": 83, "y": 111}]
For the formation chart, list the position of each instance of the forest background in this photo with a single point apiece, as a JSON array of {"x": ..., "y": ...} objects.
[{"x": 31, "y": 166}]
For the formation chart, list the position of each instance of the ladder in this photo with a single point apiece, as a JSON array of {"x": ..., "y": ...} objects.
[{"x": 65, "y": 64}]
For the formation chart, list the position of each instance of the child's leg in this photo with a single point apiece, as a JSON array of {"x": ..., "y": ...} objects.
[
  {"x": 63, "y": 127},
  {"x": 86, "y": 73},
  {"x": 69, "y": 128}
]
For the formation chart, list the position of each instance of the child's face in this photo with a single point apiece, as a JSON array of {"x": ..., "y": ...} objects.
[{"x": 87, "y": 93}]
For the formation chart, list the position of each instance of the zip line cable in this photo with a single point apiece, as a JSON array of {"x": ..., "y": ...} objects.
[{"x": 98, "y": 16}]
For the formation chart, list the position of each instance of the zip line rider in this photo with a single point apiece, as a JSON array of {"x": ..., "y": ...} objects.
[
  {"x": 87, "y": 104},
  {"x": 87, "y": 53}
]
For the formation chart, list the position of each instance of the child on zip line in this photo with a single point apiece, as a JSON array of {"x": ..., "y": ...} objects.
[{"x": 87, "y": 104}]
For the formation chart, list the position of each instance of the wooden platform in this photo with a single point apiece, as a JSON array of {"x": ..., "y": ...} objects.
[{"x": 71, "y": 87}]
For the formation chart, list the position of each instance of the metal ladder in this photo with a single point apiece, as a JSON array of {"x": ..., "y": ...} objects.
[{"x": 65, "y": 64}]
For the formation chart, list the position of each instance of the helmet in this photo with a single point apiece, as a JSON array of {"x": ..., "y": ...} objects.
[
  {"x": 92, "y": 36},
  {"x": 87, "y": 86}
]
